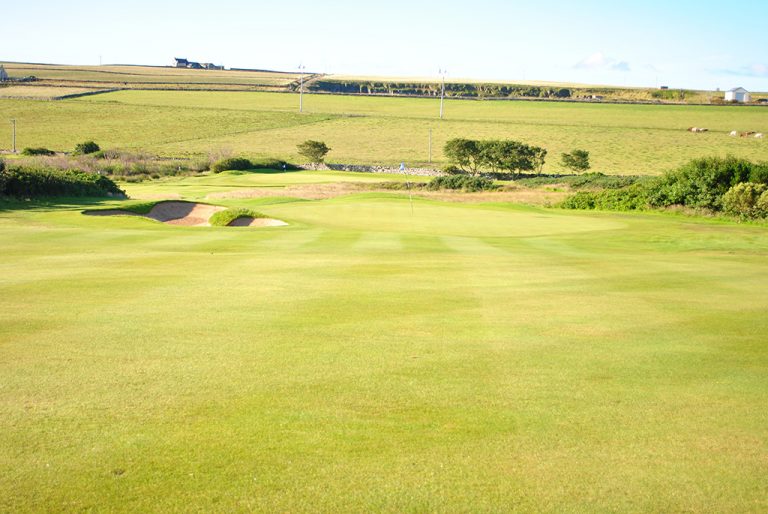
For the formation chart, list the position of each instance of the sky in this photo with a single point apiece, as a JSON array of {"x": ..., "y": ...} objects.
[{"x": 682, "y": 44}]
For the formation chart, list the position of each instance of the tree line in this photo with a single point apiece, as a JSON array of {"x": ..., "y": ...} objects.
[{"x": 505, "y": 156}]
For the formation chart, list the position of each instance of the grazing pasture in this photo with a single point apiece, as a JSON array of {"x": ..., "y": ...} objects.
[
  {"x": 378, "y": 355},
  {"x": 621, "y": 139}
]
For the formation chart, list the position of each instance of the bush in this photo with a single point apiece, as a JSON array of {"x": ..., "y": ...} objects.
[
  {"x": 86, "y": 148},
  {"x": 315, "y": 151},
  {"x": 462, "y": 182},
  {"x": 743, "y": 200},
  {"x": 453, "y": 170},
  {"x": 37, "y": 151},
  {"x": 703, "y": 182},
  {"x": 224, "y": 218},
  {"x": 39, "y": 182},
  {"x": 232, "y": 163},
  {"x": 631, "y": 198}
]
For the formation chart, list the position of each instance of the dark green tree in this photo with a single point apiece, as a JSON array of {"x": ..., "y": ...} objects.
[
  {"x": 464, "y": 153},
  {"x": 577, "y": 160},
  {"x": 315, "y": 151}
]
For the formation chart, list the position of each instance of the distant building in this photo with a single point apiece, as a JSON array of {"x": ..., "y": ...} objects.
[
  {"x": 184, "y": 63},
  {"x": 3, "y": 74},
  {"x": 664, "y": 88},
  {"x": 739, "y": 95}
]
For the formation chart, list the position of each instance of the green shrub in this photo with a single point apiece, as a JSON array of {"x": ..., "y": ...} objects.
[
  {"x": 232, "y": 163},
  {"x": 39, "y": 182},
  {"x": 631, "y": 198},
  {"x": 462, "y": 182},
  {"x": 86, "y": 148},
  {"x": 224, "y": 218},
  {"x": 315, "y": 151},
  {"x": 703, "y": 182},
  {"x": 453, "y": 170},
  {"x": 743, "y": 200},
  {"x": 37, "y": 151}
]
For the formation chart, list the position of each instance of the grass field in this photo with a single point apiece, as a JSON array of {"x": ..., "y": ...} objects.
[
  {"x": 622, "y": 139},
  {"x": 373, "y": 356},
  {"x": 42, "y": 93},
  {"x": 135, "y": 75}
]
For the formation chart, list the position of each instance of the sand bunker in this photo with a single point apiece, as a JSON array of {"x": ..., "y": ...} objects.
[
  {"x": 247, "y": 221},
  {"x": 188, "y": 214}
]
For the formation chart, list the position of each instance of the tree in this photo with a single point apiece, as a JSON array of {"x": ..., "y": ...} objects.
[
  {"x": 465, "y": 153},
  {"x": 577, "y": 160},
  {"x": 538, "y": 155},
  {"x": 315, "y": 151}
]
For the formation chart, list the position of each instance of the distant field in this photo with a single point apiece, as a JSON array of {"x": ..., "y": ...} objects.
[
  {"x": 622, "y": 139},
  {"x": 137, "y": 75},
  {"x": 42, "y": 93}
]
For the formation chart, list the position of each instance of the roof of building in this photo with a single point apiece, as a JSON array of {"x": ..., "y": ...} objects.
[{"x": 738, "y": 90}]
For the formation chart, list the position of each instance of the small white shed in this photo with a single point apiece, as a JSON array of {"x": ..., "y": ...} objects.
[{"x": 739, "y": 95}]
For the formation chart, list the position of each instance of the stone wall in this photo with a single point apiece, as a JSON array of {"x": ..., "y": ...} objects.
[{"x": 421, "y": 172}]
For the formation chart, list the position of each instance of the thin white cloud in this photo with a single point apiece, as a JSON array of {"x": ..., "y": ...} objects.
[
  {"x": 753, "y": 70},
  {"x": 599, "y": 61}
]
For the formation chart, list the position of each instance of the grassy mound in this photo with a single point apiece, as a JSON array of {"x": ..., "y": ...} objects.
[{"x": 224, "y": 218}]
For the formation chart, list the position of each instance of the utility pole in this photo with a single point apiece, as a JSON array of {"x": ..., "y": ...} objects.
[
  {"x": 442, "y": 91},
  {"x": 301, "y": 87},
  {"x": 13, "y": 122},
  {"x": 430, "y": 145}
]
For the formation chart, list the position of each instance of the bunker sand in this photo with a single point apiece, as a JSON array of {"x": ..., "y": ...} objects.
[{"x": 188, "y": 214}]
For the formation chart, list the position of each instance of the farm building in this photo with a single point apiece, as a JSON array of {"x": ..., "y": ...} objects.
[
  {"x": 181, "y": 63},
  {"x": 3, "y": 74},
  {"x": 739, "y": 95}
]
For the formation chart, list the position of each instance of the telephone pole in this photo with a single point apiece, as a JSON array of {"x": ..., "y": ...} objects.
[
  {"x": 442, "y": 91},
  {"x": 430, "y": 145},
  {"x": 13, "y": 123},
  {"x": 301, "y": 87}
]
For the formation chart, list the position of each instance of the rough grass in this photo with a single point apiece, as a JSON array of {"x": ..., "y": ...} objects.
[
  {"x": 224, "y": 218},
  {"x": 377, "y": 357}
]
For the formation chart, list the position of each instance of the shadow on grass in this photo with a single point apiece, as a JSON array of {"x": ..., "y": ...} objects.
[{"x": 47, "y": 204}]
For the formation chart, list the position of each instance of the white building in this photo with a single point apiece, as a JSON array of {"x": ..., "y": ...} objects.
[{"x": 739, "y": 95}]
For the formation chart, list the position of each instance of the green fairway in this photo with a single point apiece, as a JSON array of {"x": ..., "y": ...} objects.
[
  {"x": 375, "y": 355},
  {"x": 622, "y": 139}
]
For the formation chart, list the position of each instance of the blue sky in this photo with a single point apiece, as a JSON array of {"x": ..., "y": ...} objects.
[{"x": 690, "y": 44}]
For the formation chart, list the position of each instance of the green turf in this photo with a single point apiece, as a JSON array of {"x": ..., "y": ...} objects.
[
  {"x": 623, "y": 139},
  {"x": 374, "y": 357}
]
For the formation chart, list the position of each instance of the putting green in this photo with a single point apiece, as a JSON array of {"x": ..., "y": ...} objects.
[{"x": 390, "y": 213}]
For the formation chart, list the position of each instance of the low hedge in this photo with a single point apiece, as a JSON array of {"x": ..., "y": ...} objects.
[
  {"x": 25, "y": 182},
  {"x": 462, "y": 182},
  {"x": 37, "y": 151},
  {"x": 232, "y": 163}
]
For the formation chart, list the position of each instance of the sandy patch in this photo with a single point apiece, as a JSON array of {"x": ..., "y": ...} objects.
[
  {"x": 247, "y": 221},
  {"x": 188, "y": 214}
]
